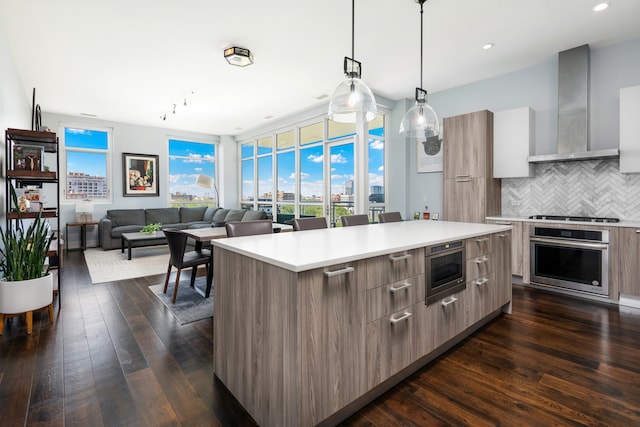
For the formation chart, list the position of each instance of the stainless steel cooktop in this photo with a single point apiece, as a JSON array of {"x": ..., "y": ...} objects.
[{"x": 574, "y": 218}]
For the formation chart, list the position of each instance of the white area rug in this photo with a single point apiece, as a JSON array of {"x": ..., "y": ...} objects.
[{"x": 110, "y": 266}]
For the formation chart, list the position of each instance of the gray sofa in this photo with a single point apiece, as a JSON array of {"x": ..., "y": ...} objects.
[{"x": 120, "y": 221}]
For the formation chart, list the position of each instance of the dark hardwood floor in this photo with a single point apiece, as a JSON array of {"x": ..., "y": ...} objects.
[{"x": 117, "y": 357}]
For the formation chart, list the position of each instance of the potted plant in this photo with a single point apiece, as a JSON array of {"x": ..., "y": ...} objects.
[{"x": 26, "y": 284}]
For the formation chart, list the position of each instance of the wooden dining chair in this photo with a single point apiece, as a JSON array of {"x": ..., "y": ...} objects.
[
  {"x": 349, "y": 220},
  {"x": 248, "y": 228},
  {"x": 301, "y": 224},
  {"x": 390, "y": 217},
  {"x": 180, "y": 259}
]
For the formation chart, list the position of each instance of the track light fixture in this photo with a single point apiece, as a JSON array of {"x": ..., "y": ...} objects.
[{"x": 175, "y": 106}]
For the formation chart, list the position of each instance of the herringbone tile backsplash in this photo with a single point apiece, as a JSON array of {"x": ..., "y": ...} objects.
[{"x": 584, "y": 188}]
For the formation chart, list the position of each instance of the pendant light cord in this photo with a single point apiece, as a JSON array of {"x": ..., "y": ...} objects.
[
  {"x": 421, "y": 38},
  {"x": 353, "y": 29}
]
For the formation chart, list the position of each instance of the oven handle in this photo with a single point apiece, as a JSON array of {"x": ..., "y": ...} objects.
[{"x": 601, "y": 246}]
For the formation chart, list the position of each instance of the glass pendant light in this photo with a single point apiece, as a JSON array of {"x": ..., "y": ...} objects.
[
  {"x": 421, "y": 120},
  {"x": 352, "y": 97}
]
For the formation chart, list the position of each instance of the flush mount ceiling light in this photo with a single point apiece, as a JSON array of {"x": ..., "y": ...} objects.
[
  {"x": 487, "y": 46},
  {"x": 238, "y": 56},
  {"x": 352, "y": 98},
  {"x": 421, "y": 120}
]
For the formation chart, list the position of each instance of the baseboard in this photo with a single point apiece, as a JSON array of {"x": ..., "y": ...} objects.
[{"x": 629, "y": 301}]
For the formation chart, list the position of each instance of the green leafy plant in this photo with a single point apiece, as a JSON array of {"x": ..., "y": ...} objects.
[
  {"x": 24, "y": 251},
  {"x": 150, "y": 228}
]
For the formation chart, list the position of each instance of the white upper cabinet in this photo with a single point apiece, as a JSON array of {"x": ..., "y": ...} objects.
[
  {"x": 513, "y": 143},
  {"x": 630, "y": 129}
]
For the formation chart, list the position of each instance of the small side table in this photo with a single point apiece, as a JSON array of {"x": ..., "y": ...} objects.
[{"x": 83, "y": 232}]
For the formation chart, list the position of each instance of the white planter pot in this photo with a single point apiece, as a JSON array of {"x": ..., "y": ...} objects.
[{"x": 26, "y": 295}]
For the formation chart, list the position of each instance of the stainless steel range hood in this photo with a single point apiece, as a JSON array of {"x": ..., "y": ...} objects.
[{"x": 573, "y": 110}]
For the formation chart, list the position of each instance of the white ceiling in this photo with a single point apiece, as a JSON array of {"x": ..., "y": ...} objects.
[{"x": 130, "y": 61}]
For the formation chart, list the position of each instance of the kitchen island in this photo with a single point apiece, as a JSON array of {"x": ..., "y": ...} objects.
[{"x": 312, "y": 325}]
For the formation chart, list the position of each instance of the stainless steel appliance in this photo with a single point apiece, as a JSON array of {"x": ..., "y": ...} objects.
[
  {"x": 570, "y": 259},
  {"x": 575, "y": 218},
  {"x": 445, "y": 270}
]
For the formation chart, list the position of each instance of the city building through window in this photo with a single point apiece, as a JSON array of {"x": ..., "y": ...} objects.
[{"x": 87, "y": 156}]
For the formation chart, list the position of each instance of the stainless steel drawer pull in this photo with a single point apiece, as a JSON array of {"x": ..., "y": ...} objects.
[
  {"x": 481, "y": 260},
  {"x": 503, "y": 223},
  {"x": 484, "y": 239},
  {"x": 482, "y": 281},
  {"x": 462, "y": 179},
  {"x": 638, "y": 231},
  {"x": 339, "y": 272},
  {"x": 399, "y": 257},
  {"x": 395, "y": 320},
  {"x": 502, "y": 236},
  {"x": 405, "y": 285},
  {"x": 450, "y": 301}
]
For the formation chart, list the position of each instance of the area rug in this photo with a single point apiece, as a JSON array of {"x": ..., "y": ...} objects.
[
  {"x": 110, "y": 266},
  {"x": 190, "y": 306}
]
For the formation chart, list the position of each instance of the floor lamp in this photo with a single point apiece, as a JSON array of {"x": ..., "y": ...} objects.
[{"x": 205, "y": 181}]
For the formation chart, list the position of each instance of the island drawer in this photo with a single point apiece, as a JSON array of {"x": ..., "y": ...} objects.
[
  {"x": 386, "y": 299},
  {"x": 390, "y": 345},
  {"x": 480, "y": 245},
  {"x": 385, "y": 269}
]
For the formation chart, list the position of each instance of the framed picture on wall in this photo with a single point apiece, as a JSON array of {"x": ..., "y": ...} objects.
[
  {"x": 140, "y": 174},
  {"x": 429, "y": 155}
]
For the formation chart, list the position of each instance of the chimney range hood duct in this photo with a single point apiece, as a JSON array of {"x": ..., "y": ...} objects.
[{"x": 573, "y": 110}]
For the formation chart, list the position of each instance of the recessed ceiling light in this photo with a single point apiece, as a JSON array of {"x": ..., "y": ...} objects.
[
  {"x": 600, "y": 7},
  {"x": 487, "y": 46}
]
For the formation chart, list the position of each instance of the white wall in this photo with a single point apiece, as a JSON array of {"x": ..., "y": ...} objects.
[
  {"x": 612, "y": 68},
  {"x": 15, "y": 107}
]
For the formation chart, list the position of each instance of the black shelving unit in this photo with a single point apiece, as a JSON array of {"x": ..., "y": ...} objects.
[{"x": 41, "y": 173}]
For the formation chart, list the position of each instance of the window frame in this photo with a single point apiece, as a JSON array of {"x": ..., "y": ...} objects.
[{"x": 64, "y": 165}]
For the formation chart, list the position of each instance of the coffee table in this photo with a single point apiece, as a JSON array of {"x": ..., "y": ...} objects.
[{"x": 142, "y": 239}]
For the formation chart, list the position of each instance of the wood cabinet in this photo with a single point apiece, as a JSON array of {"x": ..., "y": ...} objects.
[
  {"x": 470, "y": 191},
  {"x": 517, "y": 244},
  {"x": 630, "y": 261},
  {"x": 489, "y": 276},
  {"x": 440, "y": 322},
  {"x": 513, "y": 143},
  {"x": 390, "y": 312},
  {"x": 307, "y": 347},
  {"x": 334, "y": 340},
  {"x": 630, "y": 130}
]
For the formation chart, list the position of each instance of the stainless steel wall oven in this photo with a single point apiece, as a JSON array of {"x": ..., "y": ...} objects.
[
  {"x": 571, "y": 259},
  {"x": 445, "y": 270}
]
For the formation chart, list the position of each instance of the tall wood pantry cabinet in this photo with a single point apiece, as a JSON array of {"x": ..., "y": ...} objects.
[{"x": 470, "y": 191}]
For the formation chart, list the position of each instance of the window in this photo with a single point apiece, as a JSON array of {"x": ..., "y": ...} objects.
[
  {"x": 309, "y": 170},
  {"x": 247, "y": 175},
  {"x": 87, "y": 158},
  {"x": 376, "y": 167},
  {"x": 187, "y": 160}
]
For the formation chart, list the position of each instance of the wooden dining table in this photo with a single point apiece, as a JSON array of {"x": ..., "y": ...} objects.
[{"x": 207, "y": 234}]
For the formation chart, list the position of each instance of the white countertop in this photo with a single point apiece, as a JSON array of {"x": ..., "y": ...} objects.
[
  {"x": 306, "y": 250},
  {"x": 631, "y": 224}
]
